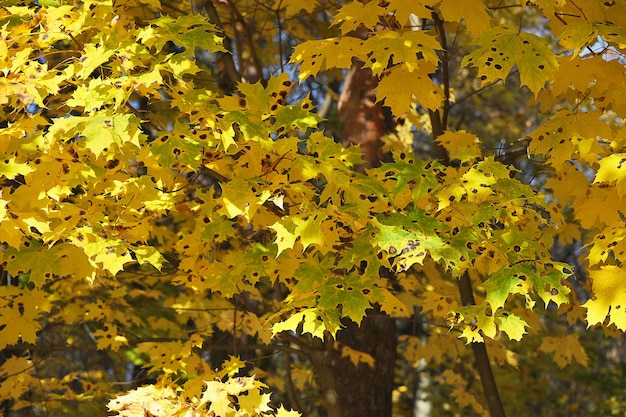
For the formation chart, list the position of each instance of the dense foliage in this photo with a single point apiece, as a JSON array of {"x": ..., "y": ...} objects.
[{"x": 183, "y": 232}]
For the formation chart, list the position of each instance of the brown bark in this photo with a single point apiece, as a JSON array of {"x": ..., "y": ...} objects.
[
  {"x": 366, "y": 390},
  {"x": 363, "y": 390},
  {"x": 362, "y": 120},
  {"x": 351, "y": 390},
  {"x": 494, "y": 403}
]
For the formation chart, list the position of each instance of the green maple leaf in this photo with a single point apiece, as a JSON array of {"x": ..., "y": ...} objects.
[
  {"x": 171, "y": 148},
  {"x": 259, "y": 99},
  {"x": 297, "y": 116},
  {"x": 309, "y": 230},
  {"x": 549, "y": 286},
  {"x": 501, "y": 48},
  {"x": 522, "y": 279},
  {"x": 189, "y": 31},
  {"x": 416, "y": 175},
  {"x": 350, "y": 292},
  {"x": 237, "y": 269},
  {"x": 505, "y": 282},
  {"x": 478, "y": 323},
  {"x": 310, "y": 275},
  {"x": 100, "y": 131},
  {"x": 40, "y": 262},
  {"x": 513, "y": 325}
]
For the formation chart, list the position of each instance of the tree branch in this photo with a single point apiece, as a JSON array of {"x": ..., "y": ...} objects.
[
  {"x": 226, "y": 58},
  {"x": 439, "y": 117},
  {"x": 480, "y": 355},
  {"x": 444, "y": 70},
  {"x": 291, "y": 391}
]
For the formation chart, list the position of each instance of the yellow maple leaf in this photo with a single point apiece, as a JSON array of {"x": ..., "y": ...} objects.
[
  {"x": 112, "y": 254},
  {"x": 231, "y": 366},
  {"x": 502, "y": 48},
  {"x": 254, "y": 403},
  {"x": 472, "y": 12},
  {"x": 613, "y": 168},
  {"x": 570, "y": 132},
  {"x": 10, "y": 168},
  {"x": 356, "y": 356},
  {"x": 355, "y": 14},
  {"x": 320, "y": 55},
  {"x": 309, "y": 231},
  {"x": 609, "y": 296},
  {"x": 565, "y": 349},
  {"x": 284, "y": 238},
  {"x": 218, "y": 394},
  {"x": 417, "y": 85},
  {"x": 403, "y": 9},
  {"x": 19, "y": 311},
  {"x": 293, "y": 7},
  {"x": 401, "y": 47},
  {"x": 596, "y": 197},
  {"x": 460, "y": 145},
  {"x": 609, "y": 241},
  {"x": 109, "y": 338},
  {"x": 283, "y": 412},
  {"x": 148, "y": 400}
]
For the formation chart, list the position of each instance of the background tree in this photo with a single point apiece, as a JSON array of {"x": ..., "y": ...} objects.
[{"x": 183, "y": 232}]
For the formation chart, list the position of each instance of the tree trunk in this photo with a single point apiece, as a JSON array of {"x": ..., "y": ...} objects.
[
  {"x": 361, "y": 390},
  {"x": 365, "y": 390},
  {"x": 362, "y": 120},
  {"x": 351, "y": 390}
]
